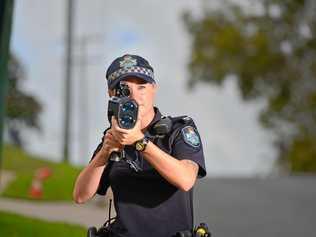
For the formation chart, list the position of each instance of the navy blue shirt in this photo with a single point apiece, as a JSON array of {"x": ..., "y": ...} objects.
[{"x": 146, "y": 204}]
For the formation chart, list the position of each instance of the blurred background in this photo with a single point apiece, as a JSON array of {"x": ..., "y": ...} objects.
[{"x": 245, "y": 71}]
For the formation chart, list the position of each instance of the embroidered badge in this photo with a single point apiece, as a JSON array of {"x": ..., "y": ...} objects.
[
  {"x": 190, "y": 136},
  {"x": 128, "y": 62}
]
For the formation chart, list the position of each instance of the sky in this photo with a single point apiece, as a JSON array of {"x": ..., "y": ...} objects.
[{"x": 234, "y": 143}]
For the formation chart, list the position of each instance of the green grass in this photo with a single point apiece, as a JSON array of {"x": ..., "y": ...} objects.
[
  {"x": 57, "y": 187},
  {"x": 12, "y": 225}
]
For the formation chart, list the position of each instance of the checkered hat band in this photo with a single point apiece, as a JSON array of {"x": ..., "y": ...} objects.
[{"x": 135, "y": 69}]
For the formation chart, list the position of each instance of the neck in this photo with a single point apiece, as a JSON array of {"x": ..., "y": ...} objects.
[{"x": 147, "y": 118}]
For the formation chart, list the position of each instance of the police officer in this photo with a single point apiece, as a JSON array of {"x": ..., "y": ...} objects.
[{"x": 156, "y": 199}]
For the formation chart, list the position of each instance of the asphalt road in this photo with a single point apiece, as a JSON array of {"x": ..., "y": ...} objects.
[
  {"x": 244, "y": 207},
  {"x": 279, "y": 206}
]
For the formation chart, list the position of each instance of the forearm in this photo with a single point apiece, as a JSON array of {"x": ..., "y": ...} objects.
[
  {"x": 180, "y": 173},
  {"x": 88, "y": 180}
]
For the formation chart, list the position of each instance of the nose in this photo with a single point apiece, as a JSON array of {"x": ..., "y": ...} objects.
[{"x": 135, "y": 95}]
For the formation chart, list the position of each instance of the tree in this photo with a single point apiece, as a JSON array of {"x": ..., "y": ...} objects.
[
  {"x": 22, "y": 109},
  {"x": 272, "y": 54}
]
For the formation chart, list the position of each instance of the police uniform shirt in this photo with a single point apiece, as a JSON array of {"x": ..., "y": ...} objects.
[{"x": 146, "y": 204}]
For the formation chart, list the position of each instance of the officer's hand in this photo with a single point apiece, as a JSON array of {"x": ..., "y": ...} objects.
[
  {"x": 110, "y": 144},
  {"x": 127, "y": 136}
]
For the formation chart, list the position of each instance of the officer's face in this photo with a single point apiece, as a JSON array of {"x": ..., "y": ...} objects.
[{"x": 143, "y": 92}]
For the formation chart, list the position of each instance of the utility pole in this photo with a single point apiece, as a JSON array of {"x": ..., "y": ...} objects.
[
  {"x": 6, "y": 15},
  {"x": 83, "y": 129},
  {"x": 84, "y": 60},
  {"x": 68, "y": 84}
]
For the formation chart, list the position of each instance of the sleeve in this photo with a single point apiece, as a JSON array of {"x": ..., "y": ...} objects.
[
  {"x": 104, "y": 180},
  {"x": 187, "y": 145}
]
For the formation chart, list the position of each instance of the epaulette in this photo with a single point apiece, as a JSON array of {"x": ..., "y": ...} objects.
[
  {"x": 182, "y": 119},
  {"x": 187, "y": 119}
]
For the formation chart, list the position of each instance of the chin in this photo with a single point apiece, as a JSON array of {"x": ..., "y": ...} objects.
[
  {"x": 145, "y": 110},
  {"x": 142, "y": 114}
]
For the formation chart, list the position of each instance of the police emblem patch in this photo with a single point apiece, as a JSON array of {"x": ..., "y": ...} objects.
[
  {"x": 190, "y": 136},
  {"x": 128, "y": 62}
]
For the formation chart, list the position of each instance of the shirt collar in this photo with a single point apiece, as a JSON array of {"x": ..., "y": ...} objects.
[{"x": 156, "y": 118}]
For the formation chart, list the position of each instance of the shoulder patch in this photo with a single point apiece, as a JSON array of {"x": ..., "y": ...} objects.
[{"x": 190, "y": 136}]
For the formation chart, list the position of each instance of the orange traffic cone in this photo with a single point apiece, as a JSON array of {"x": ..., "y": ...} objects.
[
  {"x": 43, "y": 173},
  {"x": 36, "y": 190}
]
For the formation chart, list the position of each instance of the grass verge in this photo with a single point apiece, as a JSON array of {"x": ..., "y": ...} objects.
[
  {"x": 12, "y": 225},
  {"x": 58, "y": 187}
]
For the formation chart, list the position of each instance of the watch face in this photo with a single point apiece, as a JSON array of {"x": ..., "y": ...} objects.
[{"x": 139, "y": 146}]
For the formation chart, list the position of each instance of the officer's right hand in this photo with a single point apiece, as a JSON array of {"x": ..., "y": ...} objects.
[{"x": 110, "y": 144}]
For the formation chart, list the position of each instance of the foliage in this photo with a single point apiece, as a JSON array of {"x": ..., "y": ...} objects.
[
  {"x": 272, "y": 53},
  {"x": 16, "y": 225},
  {"x": 300, "y": 154},
  {"x": 22, "y": 108},
  {"x": 59, "y": 186}
]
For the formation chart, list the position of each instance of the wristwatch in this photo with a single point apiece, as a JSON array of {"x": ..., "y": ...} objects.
[{"x": 141, "y": 144}]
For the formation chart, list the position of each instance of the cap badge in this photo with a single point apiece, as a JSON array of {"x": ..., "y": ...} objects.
[{"x": 128, "y": 62}]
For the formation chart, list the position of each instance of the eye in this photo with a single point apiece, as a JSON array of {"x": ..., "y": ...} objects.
[{"x": 141, "y": 87}]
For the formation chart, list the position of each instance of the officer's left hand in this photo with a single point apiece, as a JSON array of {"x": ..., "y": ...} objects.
[{"x": 126, "y": 136}]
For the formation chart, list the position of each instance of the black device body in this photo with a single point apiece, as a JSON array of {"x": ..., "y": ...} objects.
[{"x": 124, "y": 109}]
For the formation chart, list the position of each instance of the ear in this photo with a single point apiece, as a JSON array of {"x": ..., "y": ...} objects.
[{"x": 155, "y": 87}]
